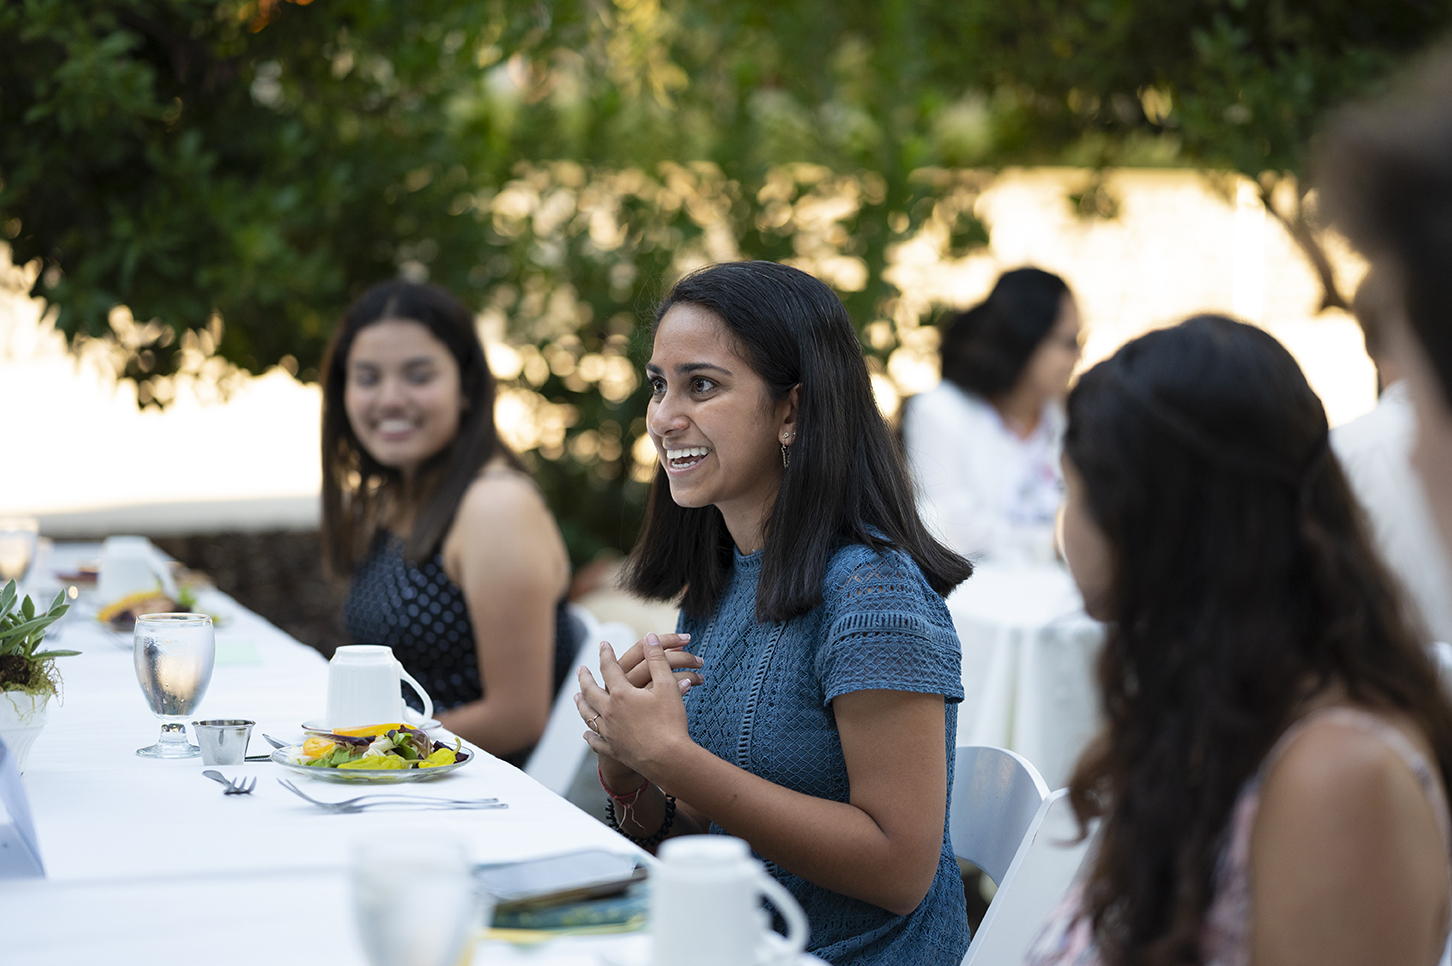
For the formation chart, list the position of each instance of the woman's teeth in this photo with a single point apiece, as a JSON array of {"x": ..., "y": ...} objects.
[
  {"x": 395, "y": 425},
  {"x": 681, "y": 458}
]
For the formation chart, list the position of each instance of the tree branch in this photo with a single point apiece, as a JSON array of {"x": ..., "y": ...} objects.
[{"x": 1308, "y": 239}]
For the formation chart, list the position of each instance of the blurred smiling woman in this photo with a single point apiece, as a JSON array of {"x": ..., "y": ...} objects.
[
  {"x": 455, "y": 561},
  {"x": 821, "y": 723}
]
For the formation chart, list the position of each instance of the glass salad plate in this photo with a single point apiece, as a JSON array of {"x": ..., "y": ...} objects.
[{"x": 286, "y": 757}]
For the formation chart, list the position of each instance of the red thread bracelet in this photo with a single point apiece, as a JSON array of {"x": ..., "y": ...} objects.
[{"x": 625, "y": 800}]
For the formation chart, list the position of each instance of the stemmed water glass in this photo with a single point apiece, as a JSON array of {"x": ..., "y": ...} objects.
[
  {"x": 174, "y": 655},
  {"x": 18, "y": 539},
  {"x": 415, "y": 899}
]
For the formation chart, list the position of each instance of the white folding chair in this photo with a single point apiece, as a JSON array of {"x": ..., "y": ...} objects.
[
  {"x": 556, "y": 759},
  {"x": 1442, "y": 659},
  {"x": 996, "y": 794},
  {"x": 1042, "y": 870}
]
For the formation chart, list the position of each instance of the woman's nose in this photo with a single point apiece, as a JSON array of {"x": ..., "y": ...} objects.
[
  {"x": 664, "y": 416},
  {"x": 390, "y": 391}
]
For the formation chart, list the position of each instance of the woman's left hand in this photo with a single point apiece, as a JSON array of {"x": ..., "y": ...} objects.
[{"x": 638, "y": 727}]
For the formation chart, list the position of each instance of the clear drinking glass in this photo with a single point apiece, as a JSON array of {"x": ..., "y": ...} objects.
[
  {"x": 18, "y": 539},
  {"x": 174, "y": 655},
  {"x": 414, "y": 899}
]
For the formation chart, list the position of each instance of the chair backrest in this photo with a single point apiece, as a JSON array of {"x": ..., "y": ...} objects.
[
  {"x": 557, "y": 757},
  {"x": 1041, "y": 872},
  {"x": 1442, "y": 659},
  {"x": 996, "y": 794}
]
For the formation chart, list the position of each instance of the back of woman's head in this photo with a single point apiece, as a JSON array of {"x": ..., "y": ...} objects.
[
  {"x": 846, "y": 479},
  {"x": 985, "y": 349},
  {"x": 352, "y": 478},
  {"x": 1244, "y": 582}
]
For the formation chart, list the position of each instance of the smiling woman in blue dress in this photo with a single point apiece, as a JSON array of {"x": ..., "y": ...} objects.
[
  {"x": 455, "y": 561},
  {"x": 821, "y": 722}
]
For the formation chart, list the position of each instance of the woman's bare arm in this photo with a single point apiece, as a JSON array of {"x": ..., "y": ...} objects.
[
  {"x": 882, "y": 846},
  {"x": 1347, "y": 864},
  {"x": 505, "y": 553}
]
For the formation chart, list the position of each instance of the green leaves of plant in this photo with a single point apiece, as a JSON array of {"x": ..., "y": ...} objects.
[{"x": 21, "y": 630}]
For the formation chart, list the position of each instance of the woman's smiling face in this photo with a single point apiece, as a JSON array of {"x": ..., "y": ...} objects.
[
  {"x": 402, "y": 393},
  {"x": 716, "y": 429}
]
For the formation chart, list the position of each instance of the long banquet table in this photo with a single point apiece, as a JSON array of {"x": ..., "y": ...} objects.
[{"x": 148, "y": 861}]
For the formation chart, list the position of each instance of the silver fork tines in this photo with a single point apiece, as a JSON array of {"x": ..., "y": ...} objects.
[{"x": 239, "y": 786}]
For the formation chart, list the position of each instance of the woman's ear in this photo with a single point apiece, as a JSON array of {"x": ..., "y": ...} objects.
[{"x": 787, "y": 416}]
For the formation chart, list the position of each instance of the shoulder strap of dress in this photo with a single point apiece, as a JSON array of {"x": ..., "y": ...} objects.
[{"x": 1373, "y": 724}]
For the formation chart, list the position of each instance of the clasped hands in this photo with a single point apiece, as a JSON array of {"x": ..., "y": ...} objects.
[{"x": 635, "y": 714}]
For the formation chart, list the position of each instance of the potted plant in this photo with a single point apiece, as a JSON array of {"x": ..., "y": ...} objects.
[{"x": 27, "y": 675}]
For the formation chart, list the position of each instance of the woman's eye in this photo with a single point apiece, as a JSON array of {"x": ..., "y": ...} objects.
[
  {"x": 419, "y": 377},
  {"x": 365, "y": 378},
  {"x": 702, "y": 385},
  {"x": 657, "y": 386}
]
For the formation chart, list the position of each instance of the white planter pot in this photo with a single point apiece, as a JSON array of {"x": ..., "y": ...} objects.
[{"x": 22, "y": 716}]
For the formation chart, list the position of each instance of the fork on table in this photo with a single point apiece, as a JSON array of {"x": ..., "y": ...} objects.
[
  {"x": 240, "y": 786},
  {"x": 362, "y": 802}
]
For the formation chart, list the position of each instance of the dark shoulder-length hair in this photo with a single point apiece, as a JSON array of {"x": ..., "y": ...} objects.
[
  {"x": 1244, "y": 583},
  {"x": 846, "y": 482},
  {"x": 354, "y": 483},
  {"x": 985, "y": 349}
]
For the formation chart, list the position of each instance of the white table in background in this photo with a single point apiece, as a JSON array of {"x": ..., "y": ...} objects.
[
  {"x": 148, "y": 862},
  {"x": 1028, "y": 665}
]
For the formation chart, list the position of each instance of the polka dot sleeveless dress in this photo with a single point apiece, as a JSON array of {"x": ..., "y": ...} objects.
[{"x": 420, "y": 613}]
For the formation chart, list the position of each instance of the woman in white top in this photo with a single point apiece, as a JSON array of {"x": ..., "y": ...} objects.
[{"x": 984, "y": 444}]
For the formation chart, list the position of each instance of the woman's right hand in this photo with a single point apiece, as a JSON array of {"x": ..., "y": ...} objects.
[{"x": 682, "y": 662}]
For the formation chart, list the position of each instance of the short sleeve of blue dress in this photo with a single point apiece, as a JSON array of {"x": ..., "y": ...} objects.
[{"x": 766, "y": 705}]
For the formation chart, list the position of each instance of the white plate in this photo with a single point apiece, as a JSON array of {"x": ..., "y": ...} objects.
[
  {"x": 318, "y": 724},
  {"x": 365, "y": 776}
]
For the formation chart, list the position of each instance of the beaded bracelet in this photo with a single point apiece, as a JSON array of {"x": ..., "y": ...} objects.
[{"x": 652, "y": 841}]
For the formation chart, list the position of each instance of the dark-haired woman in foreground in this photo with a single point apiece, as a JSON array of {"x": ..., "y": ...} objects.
[
  {"x": 820, "y": 728},
  {"x": 1271, "y": 782},
  {"x": 983, "y": 445},
  {"x": 454, "y": 559}
]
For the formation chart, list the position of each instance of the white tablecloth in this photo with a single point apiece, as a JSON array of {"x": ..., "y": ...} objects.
[
  {"x": 145, "y": 859},
  {"x": 1028, "y": 665}
]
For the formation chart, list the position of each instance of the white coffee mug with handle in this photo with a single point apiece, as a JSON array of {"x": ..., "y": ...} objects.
[
  {"x": 363, "y": 688},
  {"x": 705, "y": 907},
  {"x": 130, "y": 565}
]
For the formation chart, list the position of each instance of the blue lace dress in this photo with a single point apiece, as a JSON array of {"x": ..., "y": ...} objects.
[
  {"x": 421, "y": 614},
  {"x": 766, "y": 705}
]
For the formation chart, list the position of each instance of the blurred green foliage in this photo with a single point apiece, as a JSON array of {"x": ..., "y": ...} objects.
[{"x": 240, "y": 169}]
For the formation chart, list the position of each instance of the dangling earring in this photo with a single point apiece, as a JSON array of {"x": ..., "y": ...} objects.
[{"x": 786, "y": 457}]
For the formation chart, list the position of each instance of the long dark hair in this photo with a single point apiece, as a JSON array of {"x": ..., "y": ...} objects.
[
  {"x": 986, "y": 348},
  {"x": 1244, "y": 583},
  {"x": 354, "y": 483},
  {"x": 846, "y": 482}
]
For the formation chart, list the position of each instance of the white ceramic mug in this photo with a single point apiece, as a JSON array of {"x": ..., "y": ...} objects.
[
  {"x": 130, "y": 565},
  {"x": 363, "y": 688},
  {"x": 717, "y": 874}
]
